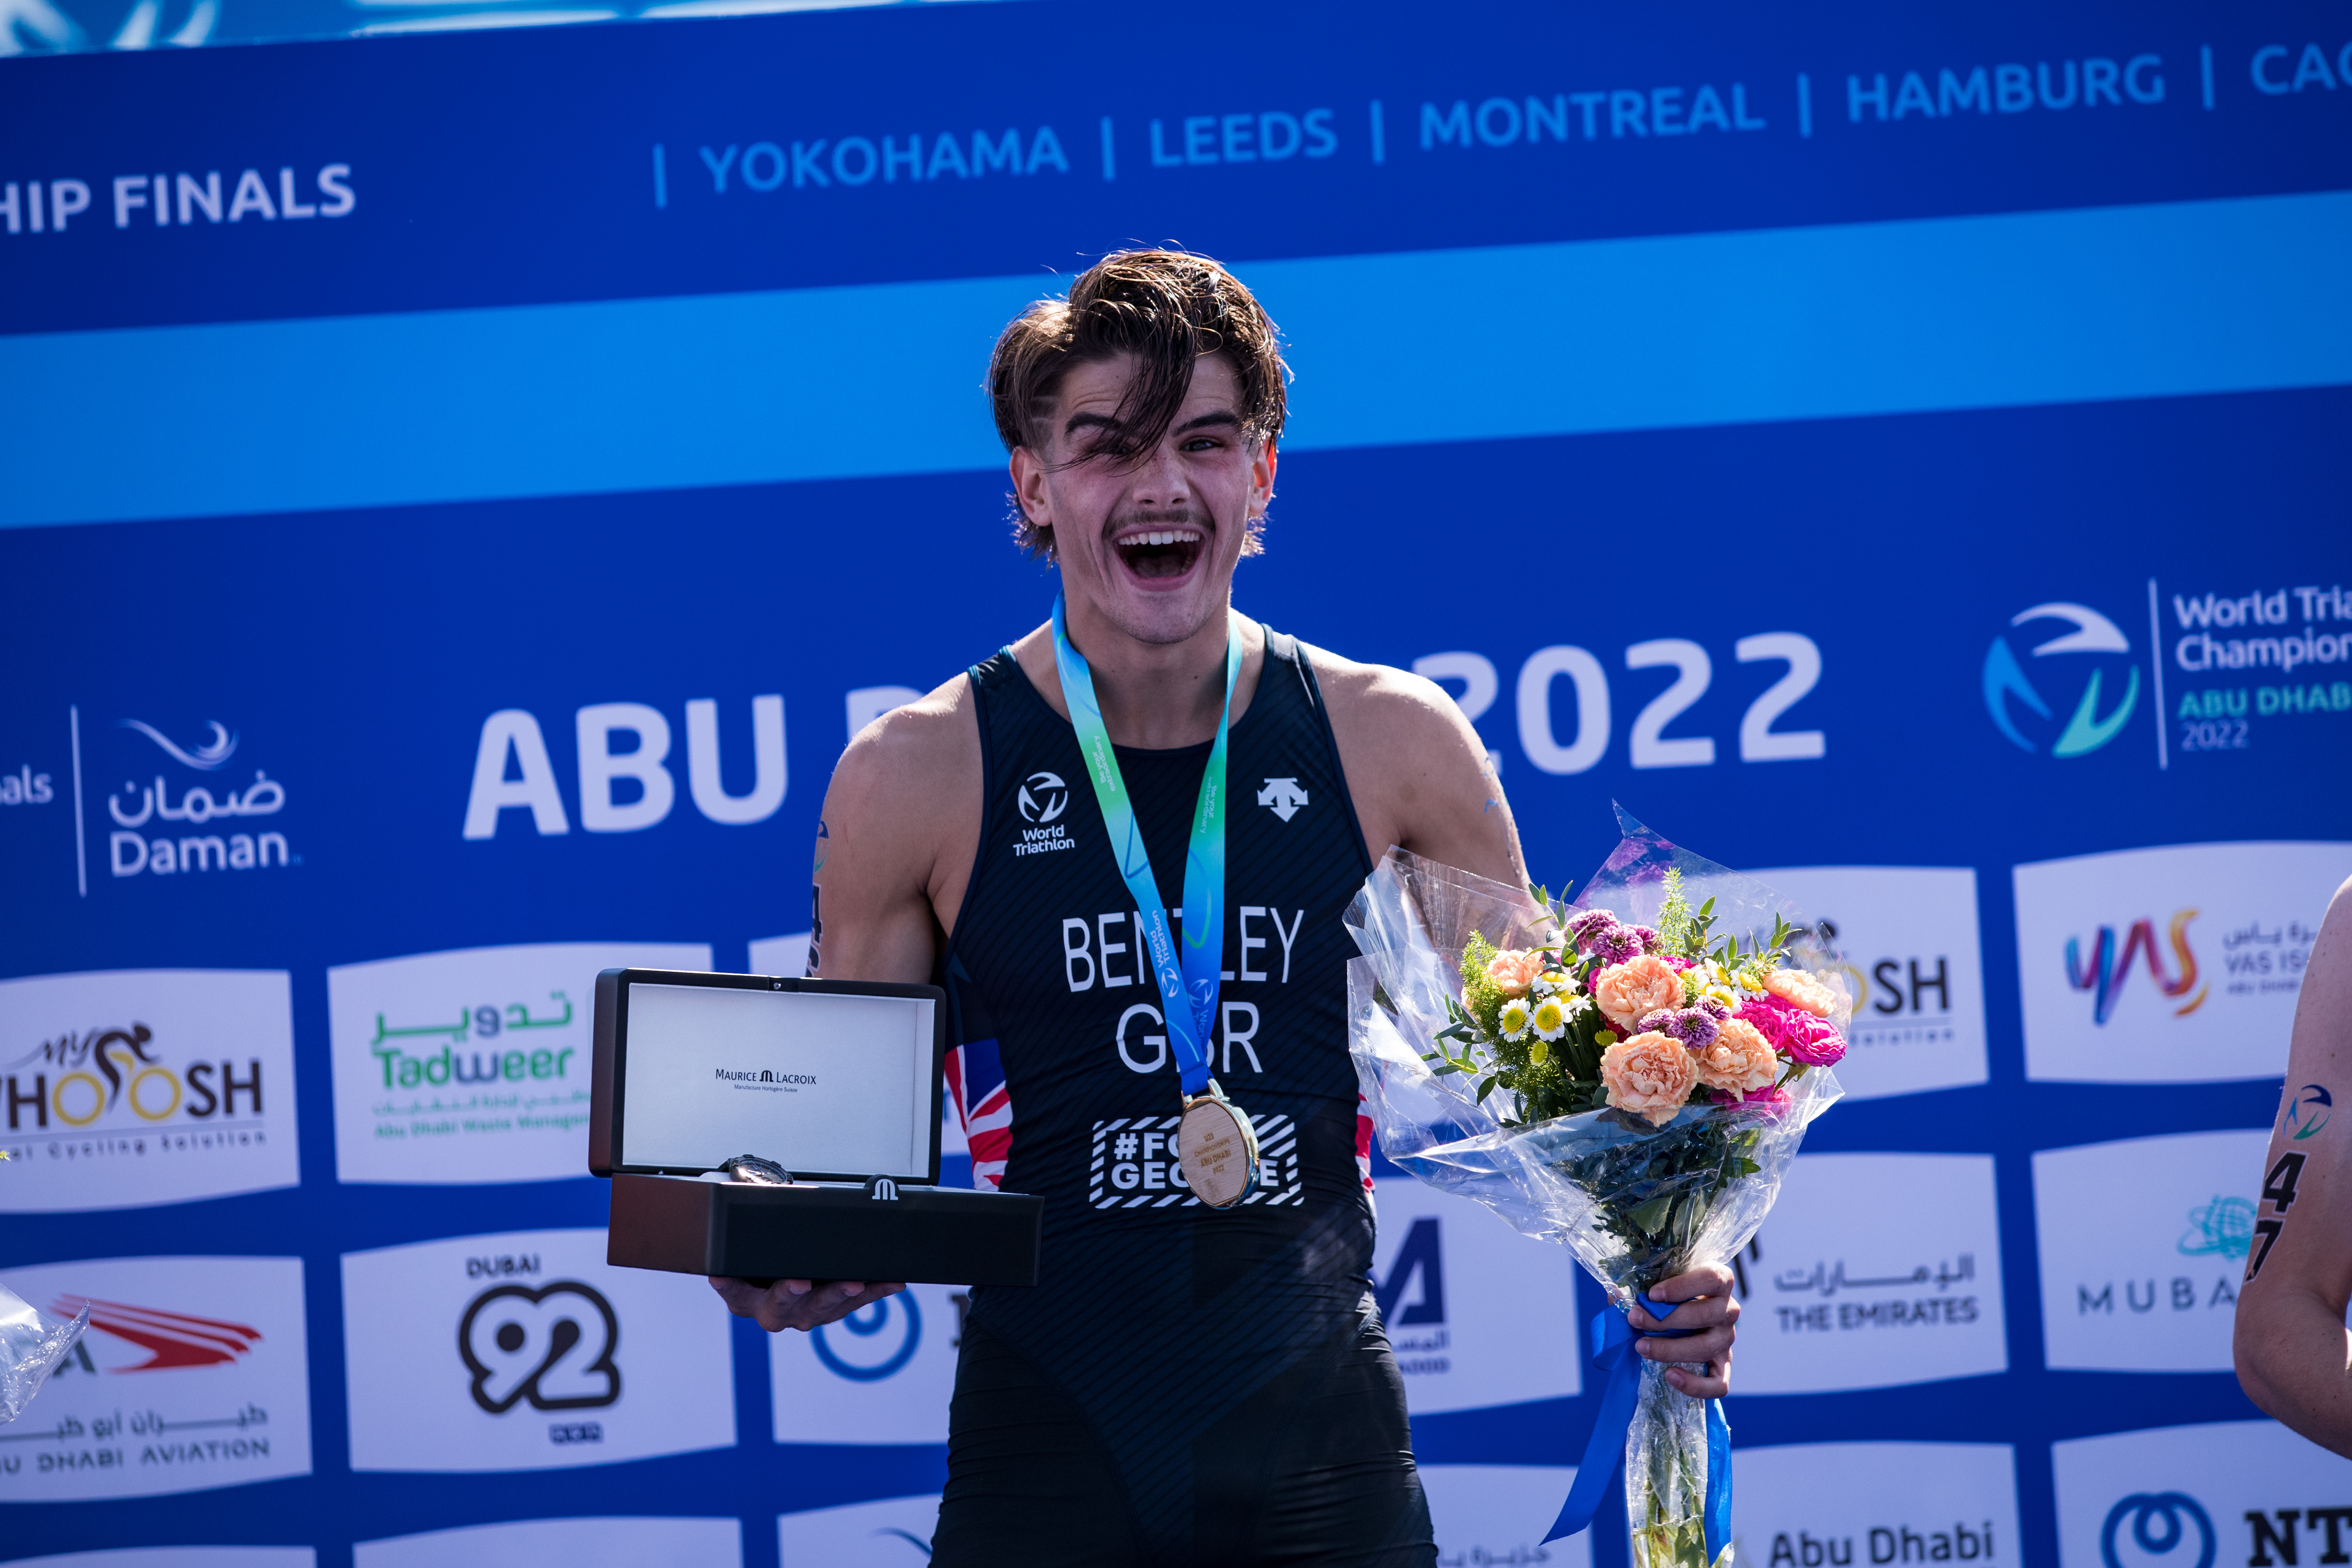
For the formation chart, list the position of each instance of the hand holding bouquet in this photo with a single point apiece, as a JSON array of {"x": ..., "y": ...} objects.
[{"x": 1630, "y": 1085}]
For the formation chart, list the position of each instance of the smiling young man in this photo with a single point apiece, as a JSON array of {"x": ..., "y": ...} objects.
[{"x": 1186, "y": 1385}]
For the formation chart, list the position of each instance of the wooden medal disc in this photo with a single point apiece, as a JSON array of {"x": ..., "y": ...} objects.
[{"x": 1216, "y": 1148}]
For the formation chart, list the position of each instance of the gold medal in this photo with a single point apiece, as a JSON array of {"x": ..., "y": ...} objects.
[{"x": 1216, "y": 1148}]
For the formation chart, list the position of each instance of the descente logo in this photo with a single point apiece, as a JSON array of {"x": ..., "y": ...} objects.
[{"x": 764, "y": 1076}]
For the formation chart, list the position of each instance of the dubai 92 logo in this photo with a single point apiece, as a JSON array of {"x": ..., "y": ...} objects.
[
  {"x": 2097, "y": 659},
  {"x": 551, "y": 1346}
]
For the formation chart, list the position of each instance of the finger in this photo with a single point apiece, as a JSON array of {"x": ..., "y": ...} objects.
[
  {"x": 794, "y": 1287},
  {"x": 1708, "y": 1385},
  {"x": 1700, "y": 1312},
  {"x": 1709, "y": 1346},
  {"x": 1707, "y": 1279}
]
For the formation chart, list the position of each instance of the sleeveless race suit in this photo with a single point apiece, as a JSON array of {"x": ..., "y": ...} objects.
[{"x": 1183, "y": 1385}]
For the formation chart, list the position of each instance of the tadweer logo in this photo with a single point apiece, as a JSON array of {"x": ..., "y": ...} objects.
[{"x": 2087, "y": 730}]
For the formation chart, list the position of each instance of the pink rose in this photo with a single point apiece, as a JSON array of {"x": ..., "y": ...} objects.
[
  {"x": 1625, "y": 992},
  {"x": 1514, "y": 969},
  {"x": 1650, "y": 1076},
  {"x": 1738, "y": 1061},
  {"x": 1789, "y": 1028},
  {"x": 1800, "y": 989}
]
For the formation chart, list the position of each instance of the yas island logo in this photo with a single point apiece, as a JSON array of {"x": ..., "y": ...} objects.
[
  {"x": 2087, "y": 667},
  {"x": 2110, "y": 966}
]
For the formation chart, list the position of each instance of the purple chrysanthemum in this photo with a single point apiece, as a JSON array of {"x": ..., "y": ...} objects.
[{"x": 1691, "y": 1026}]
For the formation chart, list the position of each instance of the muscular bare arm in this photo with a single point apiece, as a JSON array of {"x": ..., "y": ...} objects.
[
  {"x": 901, "y": 819},
  {"x": 1419, "y": 778},
  {"x": 2293, "y": 1355}
]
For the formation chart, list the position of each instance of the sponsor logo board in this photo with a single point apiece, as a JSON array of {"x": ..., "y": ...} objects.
[
  {"x": 575, "y": 1542},
  {"x": 144, "y": 1086},
  {"x": 2174, "y": 1497},
  {"x": 179, "y": 1557},
  {"x": 1906, "y": 938},
  {"x": 1845, "y": 1505},
  {"x": 1457, "y": 1287},
  {"x": 1873, "y": 1271},
  {"x": 2142, "y": 1245},
  {"x": 194, "y": 1373},
  {"x": 882, "y": 1374},
  {"x": 472, "y": 1066},
  {"x": 891, "y": 1532},
  {"x": 525, "y": 1351},
  {"x": 2178, "y": 964},
  {"x": 1499, "y": 1514}
]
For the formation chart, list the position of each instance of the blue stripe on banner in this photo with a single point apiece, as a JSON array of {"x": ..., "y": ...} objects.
[{"x": 1797, "y": 323}]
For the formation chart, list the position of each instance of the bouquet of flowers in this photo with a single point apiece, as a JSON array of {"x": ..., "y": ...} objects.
[{"x": 1629, "y": 1081}]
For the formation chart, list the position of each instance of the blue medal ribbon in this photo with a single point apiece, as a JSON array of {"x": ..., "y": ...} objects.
[
  {"x": 1612, "y": 1353},
  {"x": 1188, "y": 984}
]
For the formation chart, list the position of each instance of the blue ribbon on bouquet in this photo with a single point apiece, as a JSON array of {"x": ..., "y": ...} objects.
[{"x": 1612, "y": 1352}]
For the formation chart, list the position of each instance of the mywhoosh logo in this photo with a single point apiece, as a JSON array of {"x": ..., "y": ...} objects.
[
  {"x": 2107, "y": 970},
  {"x": 2309, "y": 1110},
  {"x": 136, "y": 1079},
  {"x": 872, "y": 1351},
  {"x": 552, "y": 1346},
  {"x": 1043, "y": 797},
  {"x": 2163, "y": 1511},
  {"x": 2087, "y": 729}
]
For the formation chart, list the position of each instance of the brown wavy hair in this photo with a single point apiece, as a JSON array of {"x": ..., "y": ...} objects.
[{"x": 1169, "y": 309}]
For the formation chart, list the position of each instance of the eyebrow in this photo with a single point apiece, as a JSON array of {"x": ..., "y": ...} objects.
[{"x": 1214, "y": 418}]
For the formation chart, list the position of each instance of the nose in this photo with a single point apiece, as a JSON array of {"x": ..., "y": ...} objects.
[{"x": 1159, "y": 479}]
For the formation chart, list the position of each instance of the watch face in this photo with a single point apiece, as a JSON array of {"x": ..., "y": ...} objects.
[{"x": 1218, "y": 1150}]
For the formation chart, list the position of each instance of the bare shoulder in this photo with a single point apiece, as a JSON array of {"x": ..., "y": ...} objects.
[
  {"x": 1416, "y": 770},
  {"x": 1383, "y": 704},
  {"x": 906, "y": 774}
]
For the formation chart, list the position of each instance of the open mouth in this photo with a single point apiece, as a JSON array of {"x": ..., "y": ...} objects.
[{"x": 1162, "y": 552}]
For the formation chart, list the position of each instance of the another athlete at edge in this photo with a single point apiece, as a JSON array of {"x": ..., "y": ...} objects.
[{"x": 1185, "y": 1384}]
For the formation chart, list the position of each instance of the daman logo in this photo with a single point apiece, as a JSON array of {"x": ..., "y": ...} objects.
[
  {"x": 2087, "y": 729},
  {"x": 2108, "y": 968}
]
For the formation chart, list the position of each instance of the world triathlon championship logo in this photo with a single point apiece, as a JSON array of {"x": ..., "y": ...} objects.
[
  {"x": 2094, "y": 658},
  {"x": 2111, "y": 962}
]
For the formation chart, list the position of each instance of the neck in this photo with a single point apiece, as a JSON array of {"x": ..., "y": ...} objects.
[{"x": 1154, "y": 696}]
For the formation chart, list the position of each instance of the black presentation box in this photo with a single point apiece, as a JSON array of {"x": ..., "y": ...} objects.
[{"x": 838, "y": 1082}]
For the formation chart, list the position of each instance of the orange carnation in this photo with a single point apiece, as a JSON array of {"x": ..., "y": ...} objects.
[
  {"x": 1738, "y": 1060},
  {"x": 1650, "y": 1075},
  {"x": 1514, "y": 969},
  {"x": 1800, "y": 989},
  {"x": 1627, "y": 992}
]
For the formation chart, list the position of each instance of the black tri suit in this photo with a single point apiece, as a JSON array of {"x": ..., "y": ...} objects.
[{"x": 1184, "y": 1385}]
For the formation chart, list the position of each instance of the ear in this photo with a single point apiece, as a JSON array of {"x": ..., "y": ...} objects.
[
  {"x": 1261, "y": 466},
  {"x": 1029, "y": 471}
]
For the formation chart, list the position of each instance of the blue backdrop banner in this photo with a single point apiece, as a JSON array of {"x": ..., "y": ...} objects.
[{"x": 463, "y": 491}]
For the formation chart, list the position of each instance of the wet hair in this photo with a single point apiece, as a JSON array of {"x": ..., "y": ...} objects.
[{"x": 1167, "y": 307}]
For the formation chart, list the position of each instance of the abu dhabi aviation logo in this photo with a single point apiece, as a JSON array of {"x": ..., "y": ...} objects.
[
  {"x": 161, "y": 1338},
  {"x": 2110, "y": 965},
  {"x": 2169, "y": 1525},
  {"x": 157, "y": 835},
  {"x": 2084, "y": 685}
]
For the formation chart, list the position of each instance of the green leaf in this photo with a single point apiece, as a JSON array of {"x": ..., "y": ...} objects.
[{"x": 1650, "y": 1215}]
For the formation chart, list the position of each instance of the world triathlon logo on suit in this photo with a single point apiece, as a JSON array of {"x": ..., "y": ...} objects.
[{"x": 1043, "y": 799}]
